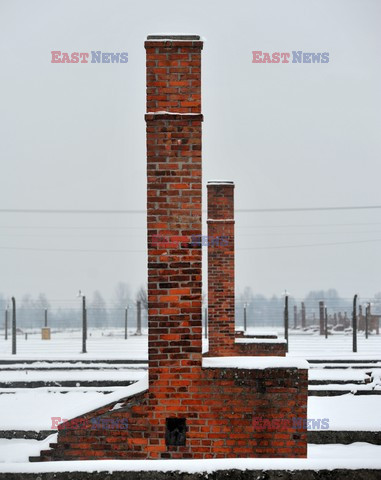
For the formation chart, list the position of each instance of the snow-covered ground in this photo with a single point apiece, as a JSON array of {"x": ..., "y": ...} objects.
[
  {"x": 335, "y": 347},
  {"x": 67, "y": 345},
  {"x": 68, "y": 375},
  {"x": 112, "y": 345},
  {"x": 354, "y": 456},
  {"x": 348, "y": 412},
  {"x": 19, "y": 450},
  {"x": 337, "y": 374},
  {"x": 33, "y": 408}
]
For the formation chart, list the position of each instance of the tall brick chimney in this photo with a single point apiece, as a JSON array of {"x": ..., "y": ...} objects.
[
  {"x": 221, "y": 309},
  {"x": 174, "y": 210}
]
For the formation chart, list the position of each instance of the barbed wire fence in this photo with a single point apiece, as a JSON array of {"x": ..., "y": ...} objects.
[
  {"x": 68, "y": 317},
  {"x": 109, "y": 320}
]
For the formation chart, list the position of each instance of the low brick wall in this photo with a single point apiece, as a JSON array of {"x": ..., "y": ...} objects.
[
  {"x": 242, "y": 334},
  {"x": 219, "y": 413},
  {"x": 256, "y": 349},
  {"x": 261, "y": 349}
]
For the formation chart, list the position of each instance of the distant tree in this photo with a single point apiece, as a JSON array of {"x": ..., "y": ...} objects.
[
  {"x": 42, "y": 302},
  {"x": 97, "y": 311},
  {"x": 3, "y": 303},
  {"x": 142, "y": 297},
  {"x": 247, "y": 296},
  {"x": 376, "y": 307},
  {"x": 122, "y": 295},
  {"x": 331, "y": 298},
  {"x": 27, "y": 315},
  {"x": 26, "y": 301}
]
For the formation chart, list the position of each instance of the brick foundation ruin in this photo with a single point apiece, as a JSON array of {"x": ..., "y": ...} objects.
[{"x": 190, "y": 407}]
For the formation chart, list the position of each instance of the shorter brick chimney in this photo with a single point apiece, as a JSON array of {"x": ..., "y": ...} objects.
[
  {"x": 221, "y": 314},
  {"x": 223, "y": 339}
]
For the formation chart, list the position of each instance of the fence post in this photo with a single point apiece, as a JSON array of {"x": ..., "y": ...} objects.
[
  {"x": 84, "y": 324},
  {"x": 286, "y": 321},
  {"x": 125, "y": 323},
  {"x": 354, "y": 323},
  {"x": 360, "y": 322},
  {"x": 303, "y": 315},
  {"x": 6, "y": 324},
  {"x": 138, "y": 317},
  {"x": 321, "y": 317},
  {"x": 46, "y": 317},
  {"x": 326, "y": 322},
  {"x": 244, "y": 318},
  {"x": 367, "y": 311},
  {"x": 295, "y": 316},
  {"x": 13, "y": 326}
]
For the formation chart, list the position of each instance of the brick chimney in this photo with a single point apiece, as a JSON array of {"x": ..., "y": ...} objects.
[
  {"x": 223, "y": 339},
  {"x": 221, "y": 309},
  {"x": 193, "y": 408},
  {"x": 173, "y": 211}
]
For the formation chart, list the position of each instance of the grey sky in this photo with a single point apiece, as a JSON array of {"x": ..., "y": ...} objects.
[{"x": 289, "y": 135}]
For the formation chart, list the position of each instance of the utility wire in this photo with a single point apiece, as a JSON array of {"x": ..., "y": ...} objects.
[
  {"x": 43, "y": 227},
  {"x": 143, "y": 234},
  {"x": 144, "y": 251},
  {"x": 311, "y": 245},
  {"x": 238, "y": 210},
  {"x": 306, "y": 209}
]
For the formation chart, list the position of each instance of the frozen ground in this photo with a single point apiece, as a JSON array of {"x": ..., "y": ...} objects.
[
  {"x": 33, "y": 408},
  {"x": 112, "y": 345},
  {"x": 76, "y": 375},
  {"x": 348, "y": 412},
  {"x": 67, "y": 345},
  {"x": 354, "y": 456}
]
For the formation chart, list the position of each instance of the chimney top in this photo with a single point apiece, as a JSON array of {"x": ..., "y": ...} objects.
[
  {"x": 174, "y": 37},
  {"x": 220, "y": 182}
]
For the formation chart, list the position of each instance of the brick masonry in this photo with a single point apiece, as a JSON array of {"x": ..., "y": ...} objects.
[
  {"x": 221, "y": 280},
  {"x": 217, "y": 405},
  {"x": 219, "y": 420}
]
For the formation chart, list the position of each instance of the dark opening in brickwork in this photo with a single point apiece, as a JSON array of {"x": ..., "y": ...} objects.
[{"x": 175, "y": 431}]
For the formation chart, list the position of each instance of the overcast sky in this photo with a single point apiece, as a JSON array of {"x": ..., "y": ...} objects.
[{"x": 72, "y": 136}]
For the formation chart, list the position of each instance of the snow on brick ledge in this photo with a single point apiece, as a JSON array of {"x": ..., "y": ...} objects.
[
  {"x": 87, "y": 406},
  {"x": 259, "y": 340},
  {"x": 220, "y": 182},
  {"x": 254, "y": 363}
]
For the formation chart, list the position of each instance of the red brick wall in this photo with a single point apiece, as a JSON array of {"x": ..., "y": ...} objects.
[
  {"x": 218, "y": 404},
  {"x": 261, "y": 349},
  {"x": 220, "y": 420}
]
